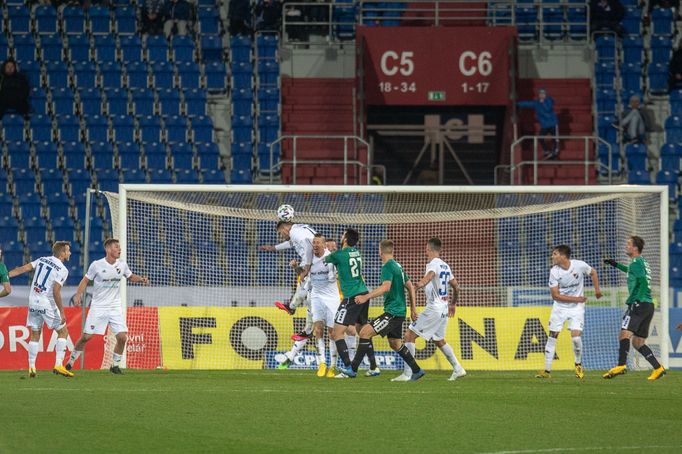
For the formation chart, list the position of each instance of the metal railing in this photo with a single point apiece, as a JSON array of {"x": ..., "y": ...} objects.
[
  {"x": 350, "y": 145},
  {"x": 587, "y": 162}
]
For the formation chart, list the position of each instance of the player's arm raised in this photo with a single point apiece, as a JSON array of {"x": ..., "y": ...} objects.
[
  {"x": 383, "y": 288},
  {"x": 595, "y": 282},
  {"x": 425, "y": 280},
  {"x": 412, "y": 294},
  {"x": 18, "y": 271},
  {"x": 613, "y": 263},
  {"x": 137, "y": 278},
  {"x": 283, "y": 246},
  {"x": 452, "y": 304},
  {"x": 556, "y": 296}
]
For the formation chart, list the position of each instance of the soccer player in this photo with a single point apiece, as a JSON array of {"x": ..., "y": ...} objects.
[
  {"x": 433, "y": 321},
  {"x": 45, "y": 304},
  {"x": 105, "y": 307},
  {"x": 394, "y": 281},
  {"x": 640, "y": 311},
  {"x": 4, "y": 278},
  {"x": 566, "y": 281}
]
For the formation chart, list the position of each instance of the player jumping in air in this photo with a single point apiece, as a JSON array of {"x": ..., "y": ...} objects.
[
  {"x": 566, "y": 281},
  {"x": 640, "y": 311}
]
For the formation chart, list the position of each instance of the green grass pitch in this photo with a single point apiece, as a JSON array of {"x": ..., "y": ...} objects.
[{"x": 294, "y": 412}]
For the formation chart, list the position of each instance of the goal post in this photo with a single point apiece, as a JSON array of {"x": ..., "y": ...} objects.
[{"x": 210, "y": 304}]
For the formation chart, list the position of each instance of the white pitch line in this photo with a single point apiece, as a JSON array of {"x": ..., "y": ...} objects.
[{"x": 586, "y": 448}]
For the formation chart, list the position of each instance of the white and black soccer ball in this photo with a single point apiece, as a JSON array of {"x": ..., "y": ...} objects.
[{"x": 285, "y": 213}]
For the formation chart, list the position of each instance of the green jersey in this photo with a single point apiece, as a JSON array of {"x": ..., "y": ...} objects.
[
  {"x": 394, "y": 299},
  {"x": 4, "y": 275},
  {"x": 348, "y": 262},
  {"x": 639, "y": 280}
]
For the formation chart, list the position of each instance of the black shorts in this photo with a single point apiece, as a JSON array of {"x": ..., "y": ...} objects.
[
  {"x": 389, "y": 325},
  {"x": 638, "y": 318},
  {"x": 350, "y": 313}
]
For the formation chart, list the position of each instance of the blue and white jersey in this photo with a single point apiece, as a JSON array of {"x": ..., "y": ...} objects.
[
  {"x": 436, "y": 290},
  {"x": 48, "y": 271}
]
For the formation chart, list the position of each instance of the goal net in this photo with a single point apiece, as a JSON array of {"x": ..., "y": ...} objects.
[{"x": 210, "y": 304}]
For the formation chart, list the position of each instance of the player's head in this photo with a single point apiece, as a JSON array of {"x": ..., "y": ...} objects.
[
  {"x": 386, "y": 249},
  {"x": 283, "y": 228},
  {"x": 331, "y": 245},
  {"x": 61, "y": 250},
  {"x": 560, "y": 253},
  {"x": 112, "y": 248},
  {"x": 319, "y": 244},
  {"x": 433, "y": 247},
  {"x": 634, "y": 246},
  {"x": 350, "y": 238}
]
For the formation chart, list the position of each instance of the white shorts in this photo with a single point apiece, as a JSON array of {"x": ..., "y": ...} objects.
[
  {"x": 324, "y": 309},
  {"x": 431, "y": 323},
  {"x": 574, "y": 315},
  {"x": 98, "y": 319},
  {"x": 46, "y": 314}
]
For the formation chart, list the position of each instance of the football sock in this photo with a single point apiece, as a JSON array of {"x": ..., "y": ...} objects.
[
  {"x": 412, "y": 348},
  {"x": 578, "y": 349},
  {"x": 296, "y": 349},
  {"x": 450, "y": 355},
  {"x": 59, "y": 351},
  {"x": 116, "y": 360},
  {"x": 342, "y": 349},
  {"x": 320, "y": 351},
  {"x": 649, "y": 356},
  {"x": 363, "y": 349},
  {"x": 351, "y": 342},
  {"x": 408, "y": 358},
  {"x": 308, "y": 322},
  {"x": 550, "y": 349},
  {"x": 623, "y": 351},
  {"x": 32, "y": 354},
  {"x": 74, "y": 356},
  {"x": 370, "y": 355},
  {"x": 298, "y": 298},
  {"x": 333, "y": 355}
]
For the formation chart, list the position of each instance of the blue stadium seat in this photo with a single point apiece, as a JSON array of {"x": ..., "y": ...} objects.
[
  {"x": 176, "y": 129},
  {"x": 605, "y": 74},
  {"x": 606, "y": 47},
  {"x": 47, "y": 155},
  {"x": 606, "y": 100},
  {"x": 202, "y": 128},
  {"x": 123, "y": 128},
  {"x": 241, "y": 176},
  {"x": 268, "y": 99},
  {"x": 183, "y": 49},
  {"x": 633, "y": 47},
  {"x": 661, "y": 49},
  {"x": 195, "y": 102},
  {"x": 131, "y": 48},
  {"x": 68, "y": 128},
  {"x": 163, "y": 75},
  {"x": 673, "y": 129},
  {"x": 157, "y": 48},
  {"x": 104, "y": 47},
  {"x": 96, "y": 128},
  {"x": 51, "y": 182},
  {"x": 672, "y": 162},
  {"x": 215, "y": 73},
  {"x": 268, "y": 72},
  {"x": 526, "y": 20},
  {"x": 676, "y": 102},
  {"x": 631, "y": 76},
  {"x": 576, "y": 17},
  {"x": 79, "y": 181},
  {"x": 662, "y": 21},
  {"x": 85, "y": 74},
  {"x": 267, "y": 45},
  {"x": 51, "y": 47},
  {"x": 169, "y": 101},
  {"x": 129, "y": 155},
  {"x": 58, "y": 205},
  {"x": 208, "y": 20},
  {"x": 242, "y": 74},
  {"x": 79, "y": 47},
  {"x": 107, "y": 180},
  {"x": 632, "y": 22},
  {"x": 57, "y": 74},
  {"x": 91, "y": 102},
  {"x": 188, "y": 73},
  {"x": 13, "y": 127},
  {"x": 241, "y": 148},
  {"x": 658, "y": 77},
  {"x": 12, "y": 249},
  {"x": 186, "y": 176},
  {"x": 63, "y": 228},
  {"x": 211, "y": 48},
  {"x": 38, "y": 100},
  {"x": 100, "y": 20},
  {"x": 101, "y": 155},
  {"x": 150, "y": 129},
  {"x": 670, "y": 179},
  {"x": 155, "y": 159},
  {"x": 138, "y": 75},
  {"x": 133, "y": 176},
  {"x": 209, "y": 156},
  {"x": 35, "y": 230},
  {"x": 63, "y": 101},
  {"x": 160, "y": 176},
  {"x": 19, "y": 19},
  {"x": 73, "y": 154},
  {"x": 213, "y": 176},
  {"x": 32, "y": 70},
  {"x": 4, "y": 45},
  {"x": 45, "y": 19},
  {"x": 117, "y": 101},
  {"x": 25, "y": 48},
  {"x": 73, "y": 20},
  {"x": 552, "y": 20},
  {"x": 182, "y": 156},
  {"x": 125, "y": 20},
  {"x": 19, "y": 155},
  {"x": 143, "y": 101},
  {"x": 111, "y": 74}
]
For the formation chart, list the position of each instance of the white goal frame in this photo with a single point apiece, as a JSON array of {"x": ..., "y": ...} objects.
[{"x": 662, "y": 191}]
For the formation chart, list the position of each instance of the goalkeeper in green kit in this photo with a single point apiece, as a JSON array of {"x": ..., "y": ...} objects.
[{"x": 640, "y": 310}]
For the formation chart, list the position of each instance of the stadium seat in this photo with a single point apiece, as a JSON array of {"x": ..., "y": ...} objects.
[
  {"x": 99, "y": 18},
  {"x": 150, "y": 129},
  {"x": 13, "y": 128},
  {"x": 131, "y": 49},
  {"x": 133, "y": 176},
  {"x": 183, "y": 49},
  {"x": 552, "y": 19},
  {"x": 143, "y": 101},
  {"x": 79, "y": 48},
  {"x": 68, "y": 128},
  {"x": 209, "y": 155},
  {"x": 658, "y": 77},
  {"x": 661, "y": 49},
  {"x": 107, "y": 180},
  {"x": 123, "y": 128},
  {"x": 101, "y": 155},
  {"x": 73, "y": 155},
  {"x": 73, "y": 20},
  {"x": 45, "y": 19},
  {"x": 163, "y": 75},
  {"x": 138, "y": 75},
  {"x": 673, "y": 129},
  {"x": 186, "y": 176},
  {"x": 63, "y": 229},
  {"x": 169, "y": 101},
  {"x": 111, "y": 74},
  {"x": 662, "y": 21},
  {"x": 211, "y": 48},
  {"x": 125, "y": 20},
  {"x": 19, "y": 19},
  {"x": 63, "y": 101},
  {"x": 268, "y": 99},
  {"x": 96, "y": 128},
  {"x": 208, "y": 21},
  {"x": 51, "y": 47},
  {"x": 104, "y": 47},
  {"x": 176, "y": 129},
  {"x": 117, "y": 101},
  {"x": 157, "y": 49},
  {"x": 605, "y": 74},
  {"x": 202, "y": 128},
  {"x": 155, "y": 159},
  {"x": 195, "y": 102},
  {"x": 85, "y": 74},
  {"x": 32, "y": 70},
  {"x": 35, "y": 230},
  {"x": 91, "y": 102},
  {"x": 632, "y": 22},
  {"x": 79, "y": 180},
  {"x": 188, "y": 74},
  {"x": 47, "y": 154},
  {"x": 51, "y": 182},
  {"x": 129, "y": 155},
  {"x": 19, "y": 155},
  {"x": 670, "y": 179},
  {"x": 25, "y": 48},
  {"x": 577, "y": 22},
  {"x": 182, "y": 156},
  {"x": 57, "y": 74},
  {"x": 213, "y": 176},
  {"x": 215, "y": 74},
  {"x": 160, "y": 176}
]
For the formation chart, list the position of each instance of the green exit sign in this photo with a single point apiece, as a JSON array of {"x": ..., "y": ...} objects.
[{"x": 436, "y": 96}]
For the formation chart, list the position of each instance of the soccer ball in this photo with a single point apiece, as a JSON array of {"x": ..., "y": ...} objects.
[{"x": 285, "y": 213}]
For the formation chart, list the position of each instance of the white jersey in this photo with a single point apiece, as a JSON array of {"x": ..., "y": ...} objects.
[
  {"x": 48, "y": 271},
  {"x": 436, "y": 290},
  {"x": 570, "y": 281},
  {"x": 107, "y": 278},
  {"x": 301, "y": 238},
  {"x": 323, "y": 279}
]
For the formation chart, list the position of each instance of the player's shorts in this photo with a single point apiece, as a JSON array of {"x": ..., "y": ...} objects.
[
  {"x": 575, "y": 316},
  {"x": 49, "y": 315},
  {"x": 431, "y": 323},
  {"x": 350, "y": 313},
  {"x": 388, "y": 325},
  {"x": 98, "y": 319},
  {"x": 638, "y": 318},
  {"x": 324, "y": 309}
]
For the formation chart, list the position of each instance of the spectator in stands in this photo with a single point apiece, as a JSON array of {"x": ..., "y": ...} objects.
[
  {"x": 177, "y": 13},
  {"x": 549, "y": 124},
  {"x": 240, "y": 17},
  {"x": 152, "y": 17},
  {"x": 14, "y": 89},
  {"x": 606, "y": 15},
  {"x": 675, "y": 70},
  {"x": 633, "y": 123},
  {"x": 268, "y": 14}
]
